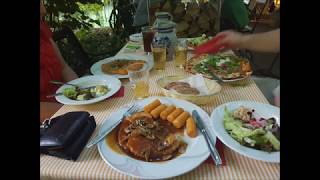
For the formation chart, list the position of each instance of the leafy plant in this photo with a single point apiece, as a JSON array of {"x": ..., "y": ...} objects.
[
  {"x": 70, "y": 13},
  {"x": 121, "y": 18},
  {"x": 100, "y": 42}
]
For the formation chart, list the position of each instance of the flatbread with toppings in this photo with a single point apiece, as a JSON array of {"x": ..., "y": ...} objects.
[{"x": 224, "y": 66}]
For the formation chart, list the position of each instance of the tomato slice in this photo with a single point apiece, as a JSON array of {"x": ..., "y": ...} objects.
[{"x": 254, "y": 123}]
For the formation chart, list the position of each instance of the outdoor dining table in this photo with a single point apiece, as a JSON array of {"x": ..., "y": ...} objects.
[{"x": 90, "y": 165}]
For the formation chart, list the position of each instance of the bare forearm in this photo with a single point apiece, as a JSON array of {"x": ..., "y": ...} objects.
[
  {"x": 67, "y": 73},
  {"x": 263, "y": 42}
]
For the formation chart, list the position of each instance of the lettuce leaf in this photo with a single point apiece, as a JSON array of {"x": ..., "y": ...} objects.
[
  {"x": 273, "y": 140},
  {"x": 250, "y": 137},
  {"x": 235, "y": 129}
]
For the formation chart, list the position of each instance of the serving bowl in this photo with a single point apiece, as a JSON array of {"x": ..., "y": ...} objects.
[{"x": 213, "y": 87}]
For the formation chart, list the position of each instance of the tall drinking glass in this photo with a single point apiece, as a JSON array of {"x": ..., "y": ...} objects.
[
  {"x": 147, "y": 34},
  {"x": 181, "y": 53},
  {"x": 139, "y": 78},
  {"x": 159, "y": 51}
]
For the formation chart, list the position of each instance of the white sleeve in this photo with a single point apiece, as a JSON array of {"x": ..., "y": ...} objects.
[{"x": 276, "y": 91}]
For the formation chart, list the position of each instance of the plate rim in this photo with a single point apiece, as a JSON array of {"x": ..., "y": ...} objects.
[
  {"x": 206, "y": 154},
  {"x": 92, "y": 101},
  {"x": 218, "y": 135}
]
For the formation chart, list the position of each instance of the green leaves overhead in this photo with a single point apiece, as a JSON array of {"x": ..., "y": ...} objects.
[{"x": 71, "y": 13}]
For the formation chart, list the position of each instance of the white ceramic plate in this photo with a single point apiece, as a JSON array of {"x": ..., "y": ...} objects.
[
  {"x": 113, "y": 84},
  {"x": 96, "y": 67},
  {"x": 261, "y": 110},
  {"x": 136, "y": 37},
  {"x": 197, "y": 150}
]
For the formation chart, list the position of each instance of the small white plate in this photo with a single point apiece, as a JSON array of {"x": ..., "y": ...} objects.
[
  {"x": 96, "y": 67},
  {"x": 261, "y": 110},
  {"x": 113, "y": 84},
  {"x": 197, "y": 150},
  {"x": 136, "y": 37}
]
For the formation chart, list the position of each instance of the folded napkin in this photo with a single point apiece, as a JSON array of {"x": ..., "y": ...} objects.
[
  {"x": 132, "y": 47},
  {"x": 119, "y": 93},
  {"x": 196, "y": 81},
  {"x": 219, "y": 146}
]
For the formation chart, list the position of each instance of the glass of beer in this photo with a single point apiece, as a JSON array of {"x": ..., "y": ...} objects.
[
  {"x": 181, "y": 53},
  {"x": 159, "y": 55},
  {"x": 139, "y": 79},
  {"x": 147, "y": 34}
]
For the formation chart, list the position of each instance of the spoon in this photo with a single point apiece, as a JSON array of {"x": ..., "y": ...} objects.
[{"x": 53, "y": 95}]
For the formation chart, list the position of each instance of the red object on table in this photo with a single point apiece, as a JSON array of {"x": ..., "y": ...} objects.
[
  {"x": 219, "y": 146},
  {"x": 120, "y": 93},
  {"x": 211, "y": 47}
]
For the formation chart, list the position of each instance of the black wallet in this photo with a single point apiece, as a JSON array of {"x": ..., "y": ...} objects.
[{"x": 65, "y": 136}]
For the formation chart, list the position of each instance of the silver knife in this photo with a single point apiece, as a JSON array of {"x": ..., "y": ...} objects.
[
  {"x": 210, "y": 141},
  {"x": 98, "y": 138},
  {"x": 215, "y": 77}
]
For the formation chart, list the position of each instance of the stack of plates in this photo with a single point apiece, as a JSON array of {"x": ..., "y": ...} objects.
[{"x": 136, "y": 37}]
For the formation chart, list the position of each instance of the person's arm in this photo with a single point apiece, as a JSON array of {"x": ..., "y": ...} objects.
[
  {"x": 276, "y": 94},
  {"x": 262, "y": 42},
  {"x": 67, "y": 73}
]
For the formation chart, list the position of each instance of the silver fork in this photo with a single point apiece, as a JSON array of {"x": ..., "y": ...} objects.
[
  {"x": 63, "y": 83},
  {"x": 61, "y": 93},
  {"x": 132, "y": 109}
]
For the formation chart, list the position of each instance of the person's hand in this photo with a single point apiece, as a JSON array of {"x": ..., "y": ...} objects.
[
  {"x": 231, "y": 39},
  {"x": 277, "y": 101}
]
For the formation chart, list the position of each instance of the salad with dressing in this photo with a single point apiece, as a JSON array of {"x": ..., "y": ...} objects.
[
  {"x": 86, "y": 93},
  {"x": 261, "y": 134}
]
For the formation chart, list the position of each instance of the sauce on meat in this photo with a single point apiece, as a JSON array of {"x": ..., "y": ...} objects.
[{"x": 112, "y": 140}]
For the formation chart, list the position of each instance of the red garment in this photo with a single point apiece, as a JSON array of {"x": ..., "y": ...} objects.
[{"x": 50, "y": 65}]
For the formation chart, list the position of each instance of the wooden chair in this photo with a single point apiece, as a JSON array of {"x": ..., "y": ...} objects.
[
  {"x": 72, "y": 51},
  {"x": 256, "y": 13}
]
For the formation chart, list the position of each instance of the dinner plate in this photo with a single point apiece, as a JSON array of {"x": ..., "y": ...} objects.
[
  {"x": 197, "y": 150},
  {"x": 113, "y": 84},
  {"x": 96, "y": 67},
  {"x": 136, "y": 37},
  {"x": 261, "y": 110}
]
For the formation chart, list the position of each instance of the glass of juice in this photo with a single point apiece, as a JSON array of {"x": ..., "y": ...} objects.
[
  {"x": 139, "y": 78},
  {"x": 159, "y": 55},
  {"x": 181, "y": 53},
  {"x": 147, "y": 34}
]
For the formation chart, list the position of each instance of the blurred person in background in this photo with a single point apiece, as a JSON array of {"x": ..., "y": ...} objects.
[
  {"x": 52, "y": 67},
  {"x": 234, "y": 15},
  {"x": 259, "y": 42}
]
